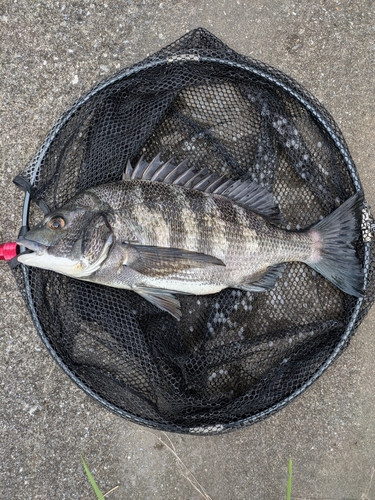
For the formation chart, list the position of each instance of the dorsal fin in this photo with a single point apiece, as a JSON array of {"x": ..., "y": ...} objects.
[
  {"x": 247, "y": 193},
  {"x": 127, "y": 172}
]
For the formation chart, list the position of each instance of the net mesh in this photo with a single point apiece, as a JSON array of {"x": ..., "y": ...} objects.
[{"x": 235, "y": 357}]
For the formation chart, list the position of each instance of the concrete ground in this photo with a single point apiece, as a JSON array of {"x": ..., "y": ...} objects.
[{"x": 52, "y": 52}]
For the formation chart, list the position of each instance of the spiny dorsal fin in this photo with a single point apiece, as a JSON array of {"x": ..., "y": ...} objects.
[
  {"x": 244, "y": 192},
  {"x": 128, "y": 172}
]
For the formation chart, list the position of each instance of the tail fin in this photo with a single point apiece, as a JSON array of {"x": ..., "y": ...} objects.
[{"x": 333, "y": 253}]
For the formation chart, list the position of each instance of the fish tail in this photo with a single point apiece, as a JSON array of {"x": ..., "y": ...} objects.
[{"x": 333, "y": 254}]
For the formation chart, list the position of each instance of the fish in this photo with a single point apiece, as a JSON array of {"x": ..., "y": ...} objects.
[{"x": 167, "y": 229}]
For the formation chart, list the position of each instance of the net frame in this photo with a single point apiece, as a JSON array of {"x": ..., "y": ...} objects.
[{"x": 200, "y": 47}]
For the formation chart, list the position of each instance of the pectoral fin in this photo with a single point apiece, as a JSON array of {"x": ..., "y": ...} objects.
[
  {"x": 266, "y": 281},
  {"x": 160, "y": 261},
  {"x": 161, "y": 298}
]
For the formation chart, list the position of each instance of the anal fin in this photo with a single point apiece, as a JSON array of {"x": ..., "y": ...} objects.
[{"x": 266, "y": 281}]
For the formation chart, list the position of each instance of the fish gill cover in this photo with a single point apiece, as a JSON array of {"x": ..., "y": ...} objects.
[{"x": 236, "y": 356}]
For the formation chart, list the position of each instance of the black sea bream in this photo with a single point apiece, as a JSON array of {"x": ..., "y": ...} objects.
[{"x": 168, "y": 229}]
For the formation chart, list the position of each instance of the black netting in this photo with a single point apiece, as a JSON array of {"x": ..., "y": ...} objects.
[{"x": 235, "y": 357}]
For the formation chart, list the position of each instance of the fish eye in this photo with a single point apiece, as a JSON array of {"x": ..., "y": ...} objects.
[{"x": 57, "y": 223}]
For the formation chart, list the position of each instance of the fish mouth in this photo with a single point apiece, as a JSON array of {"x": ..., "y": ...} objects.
[{"x": 33, "y": 246}]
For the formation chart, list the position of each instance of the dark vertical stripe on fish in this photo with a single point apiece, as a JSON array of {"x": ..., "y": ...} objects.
[
  {"x": 203, "y": 229},
  {"x": 227, "y": 212},
  {"x": 173, "y": 217}
]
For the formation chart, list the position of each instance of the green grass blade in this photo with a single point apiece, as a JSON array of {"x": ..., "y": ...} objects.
[
  {"x": 289, "y": 485},
  {"x": 98, "y": 493}
]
